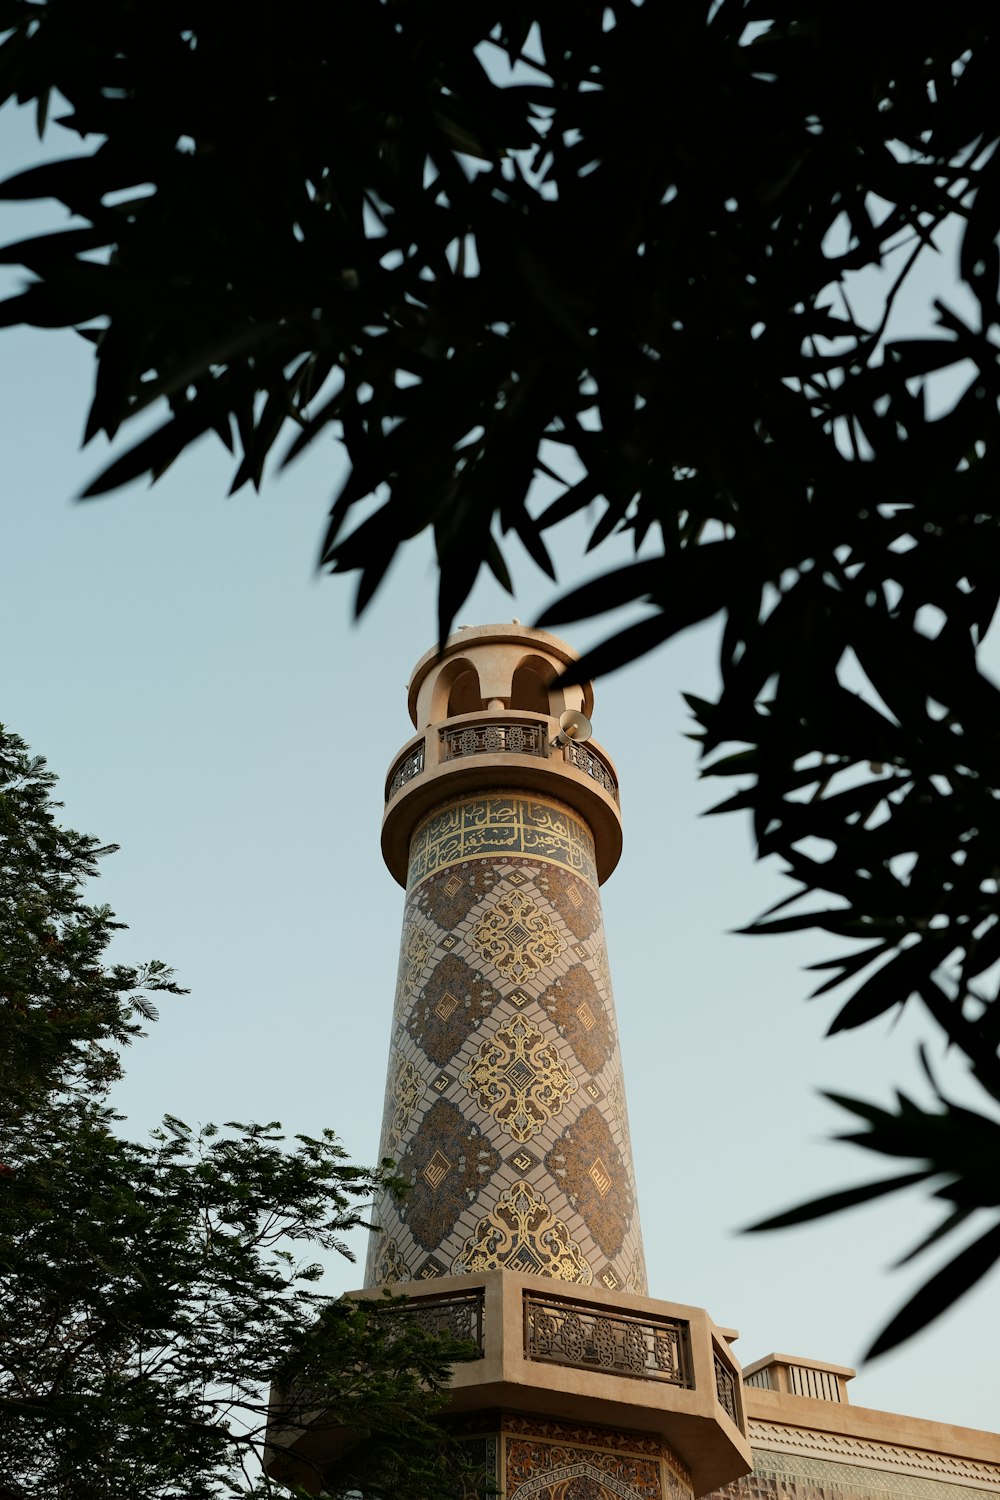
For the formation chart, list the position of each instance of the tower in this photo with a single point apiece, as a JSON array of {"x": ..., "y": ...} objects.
[
  {"x": 505, "y": 1107},
  {"x": 505, "y": 1103}
]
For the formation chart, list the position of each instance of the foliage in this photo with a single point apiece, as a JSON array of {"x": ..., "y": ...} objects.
[
  {"x": 655, "y": 255},
  {"x": 149, "y": 1291},
  {"x": 64, "y": 1015}
]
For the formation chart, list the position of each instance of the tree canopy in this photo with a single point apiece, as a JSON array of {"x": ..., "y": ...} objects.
[
  {"x": 150, "y": 1290},
  {"x": 654, "y": 256}
]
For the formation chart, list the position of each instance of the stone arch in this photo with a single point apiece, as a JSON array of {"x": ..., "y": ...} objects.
[
  {"x": 456, "y": 690},
  {"x": 529, "y": 689},
  {"x": 576, "y": 1481},
  {"x": 465, "y": 694}
]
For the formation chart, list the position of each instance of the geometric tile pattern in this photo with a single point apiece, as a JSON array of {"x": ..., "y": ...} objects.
[
  {"x": 588, "y": 1164},
  {"x": 448, "y": 902},
  {"x": 446, "y": 1164},
  {"x": 578, "y": 904},
  {"x": 453, "y": 1002},
  {"x": 391, "y": 1265},
  {"x": 548, "y": 1468},
  {"x": 407, "y": 1088},
  {"x": 575, "y": 1005},
  {"x": 504, "y": 1108},
  {"x": 517, "y": 937},
  {"x": 413, "y": 951},
  {"x": 522, "y": 1234},
  {"x": 517, "y": 1077}
]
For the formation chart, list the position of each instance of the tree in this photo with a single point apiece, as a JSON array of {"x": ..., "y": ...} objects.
[
  {"x": 655, "y": 256},
  {"x": 151, "y": 1290}
]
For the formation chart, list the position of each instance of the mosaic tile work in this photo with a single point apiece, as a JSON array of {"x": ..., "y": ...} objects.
[
  {"x": 517, "y": 1077},
  {"x": 446, "y": 1165},
  {"x": 499, "y": 824},
  {"x": 504, "y": 1107},
  {"x": 517, "y": 936},
  {"x": 579, "y": 905},
  {"x": 448, "y": 902},
  {"x": 522, "y": 1233},
  {"x": 588, "y": 1164},
  {"x": 554, "y": 1461},
  {"x": 390, "y": 1266},
  {"x": 576, "y": 1007},
  {"x": 453, "y": 1003},
  {"x": 530, "y": 1456}
]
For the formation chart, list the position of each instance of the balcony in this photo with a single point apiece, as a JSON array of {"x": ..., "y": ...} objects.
[
  {"x": 499, "y": 750},
  {"x": 492, "y": 735},
  {"x": 585, "y": 1356}
]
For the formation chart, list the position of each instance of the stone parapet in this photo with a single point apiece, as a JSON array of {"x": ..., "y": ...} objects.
[{"x": 625, "y": 1368}]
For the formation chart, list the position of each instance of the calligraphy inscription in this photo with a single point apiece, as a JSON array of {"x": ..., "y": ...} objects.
[{"x": 488, "y": 825}]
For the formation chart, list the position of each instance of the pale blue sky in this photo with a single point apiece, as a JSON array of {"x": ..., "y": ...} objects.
[{"x": 207, "y": 704}]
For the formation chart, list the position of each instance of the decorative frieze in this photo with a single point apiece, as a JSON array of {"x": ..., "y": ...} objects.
[{"x": 865, "y": 1453}]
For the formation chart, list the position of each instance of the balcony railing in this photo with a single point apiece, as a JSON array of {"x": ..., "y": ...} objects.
[
  {"x": 725, "y": 1389},
  {"x": 586, "y": 759},
  {"x": 497, "y": 736},
  {"x": 456, "y": 1316},
  {"x": 616, "y": 1343},
  {"x": 409, "y": 765},
  {"x": 494, "y": 737}
]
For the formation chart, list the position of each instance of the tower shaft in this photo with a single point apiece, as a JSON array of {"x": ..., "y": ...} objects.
[{"x": 505, "y": 1104}]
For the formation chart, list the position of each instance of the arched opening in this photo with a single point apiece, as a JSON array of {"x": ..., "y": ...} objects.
[
  {"x": 465, "y": 696},
  {"x": 529, "y": 688},
  {"x": 455, "y": 690}
]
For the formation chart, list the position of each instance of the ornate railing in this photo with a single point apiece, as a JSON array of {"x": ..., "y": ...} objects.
[
  {"x": 566, "y": 1333},
  {"x": 459, "y": 1316},
  {"x": 725, "y": 1388},
  {"x": 494, "y": 737},
  {"x": 409, "y": 765},
  {"x": 588, "y": 761}
]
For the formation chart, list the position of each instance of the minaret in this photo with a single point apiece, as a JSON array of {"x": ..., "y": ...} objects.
[
  {"x": 505, "y": 1108},
  {"x": 505, "y": 1104}
]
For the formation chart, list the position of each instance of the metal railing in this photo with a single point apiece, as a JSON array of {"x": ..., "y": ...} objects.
[
  {"x": 586, "y": 759},
  {"x": 500, "y": 736},
  {"x": 409, "y": 765},
  {"x": 822, "y": 1385},
  {"x": 458, "y": 1316},
  {"x": 725, "y": 1389},
  {"x": 616, "y": 1343},
  {"x": 494, "y": 737}
]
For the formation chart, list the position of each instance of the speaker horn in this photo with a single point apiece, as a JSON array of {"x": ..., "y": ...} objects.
[{"x": 574, "y": 728}]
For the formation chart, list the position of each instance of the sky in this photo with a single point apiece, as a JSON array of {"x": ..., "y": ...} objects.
[{"x": 209, "y": 704}]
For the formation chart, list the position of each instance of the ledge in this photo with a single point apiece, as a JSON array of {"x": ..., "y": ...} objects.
[
  {"x": 427, "y": 773},
  {"x": 554, "y": 1349}
]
